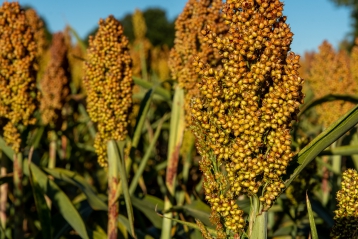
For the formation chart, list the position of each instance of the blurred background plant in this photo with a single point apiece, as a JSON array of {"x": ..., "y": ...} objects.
[{"x": 51, "y": 184}]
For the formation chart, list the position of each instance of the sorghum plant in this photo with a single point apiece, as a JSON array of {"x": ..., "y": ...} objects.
[
  {"x": 55, "y": 83},
  {"x": 243, "y": 115},
  {"x": 331, "y": 73},
  {"x": 159, "y": 62},
  {"x": 37, "y": 26},
  {"x": 190, "y": 42},
  {"x": 18, "y": 49},
  {"x": 346, "y": 216},
  {"x": 108, "y": 83},
  {"x": 141, "y": 46}
]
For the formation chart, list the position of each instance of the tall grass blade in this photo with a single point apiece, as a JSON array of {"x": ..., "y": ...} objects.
[
  {"x": 80, "y": 42},
  {"x": 147, "y": 206},
  {"x": 327, "y": 98},
  {"x": 90, "y": 125},
  {"x": 157, "y": 89},
  {"x": 145, "y": 159},
  {"x": 321, "y": 142},
  {"x": 77, "y": 180},
  {"x": 143, "y": 111},
  {"x": 341, "y": 150},
  {"x": 41, "y": 206},
  {"x": 57, "y": 196},
  {"x": 311, "y": 219},
  {"x": 190, "y": 224}
]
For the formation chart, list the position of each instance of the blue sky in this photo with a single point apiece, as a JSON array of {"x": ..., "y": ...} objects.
[{"x": 312, "y": 21}]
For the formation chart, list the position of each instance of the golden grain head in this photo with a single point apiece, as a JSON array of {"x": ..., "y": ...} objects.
[
  {"x": 346, "y": 216},
  {"x": 55, "y": 82},
  {"x": 19, "y": 50},
  {"x": 108, "y": 83},
  {"x": 243, "y": 112}
]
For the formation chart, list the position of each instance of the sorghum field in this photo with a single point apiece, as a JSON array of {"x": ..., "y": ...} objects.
[{"x": 226, "y": 133}]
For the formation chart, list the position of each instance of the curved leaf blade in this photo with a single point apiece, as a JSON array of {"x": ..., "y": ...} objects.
[
  {"x": 327, "y": 98},
  {"x": 60, "y": 201},
  {"x": 78, "y": 181},
  {"x": 311, "y": 219},
  {"x": 57, "y": 196},
  {"x": 321, "y": 142},
  {"x": 41, "y": 206}
]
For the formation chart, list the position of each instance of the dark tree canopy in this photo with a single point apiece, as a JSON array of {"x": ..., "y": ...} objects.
[
  {"x": 353, "y": 5},
  {"x": 160, "y": 30}
]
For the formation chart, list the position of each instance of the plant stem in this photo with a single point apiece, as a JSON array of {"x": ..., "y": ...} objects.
[
  {"x": 176, "y": 135},
  {"x": 52, "y": 153},
  {"x": 257, "y": 220},
  {"x": 4, "y": 192},
  {"x": 18, "y": 175},
  {"x": 113, "y": 205}
]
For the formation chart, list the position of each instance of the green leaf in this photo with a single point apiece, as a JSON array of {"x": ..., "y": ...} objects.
[
  {"x": 327, "y": 98},
  {"x": 80, "y": 42},
  {"x": 190, "y": 224},
  {"x": 311, "y": 218},
  {"x": 198, "y": 210},
  {"x": 61, "y": 225},
  {"x": 35, "y": 140},
  {"x": 90, "y": 125},
  {"x": 122, "y": 220},
  {"x": 284, "y": 231},
  {"x": 321, "y": 142},
  {"x": 99, "y": 233},
  {"x": 57, "y": 196},
  {"x": 78, "y": 181},
  {"x": 116, "y": 158},
  {"x": 147, "y": 206},
  {"x": 148, "y": 85},
  {"x": 342, "y": 150},
  {"x": 60, "y": 201},
  {"x": 322, "y": 212},
  {"x": 145, "y": 159},
  {"x": 41, "y": 206},
  {"x": 143, "y": 111},
  {"x": 6, "y": 149}
]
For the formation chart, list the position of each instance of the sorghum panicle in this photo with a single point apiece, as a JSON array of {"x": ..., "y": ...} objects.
[
  {"x": 244, "y": 113},
  {"x": 159, "y": 61},
  {"x": 37, "y": 26},
  {"x": 190, "y": 42},
  {"x": 346, "y": 216},
  {"x": 139, "y": 26},
  {"x": 18, "y": 52},
  {"x": 55, "y": 83},
  {"x": 141, "y": 46},
  {"x": 108, "y": 83},
  {"x": 331, "y": 72}
]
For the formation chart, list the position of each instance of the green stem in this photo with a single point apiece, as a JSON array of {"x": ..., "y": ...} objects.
[
  {"x": 113, "y": 205},
  {"x": 52, "y": 153},
  {"x": 18, "y": 175},
  {"x": 257, "y": 220},
  {"x": 176, "y": 134}
]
